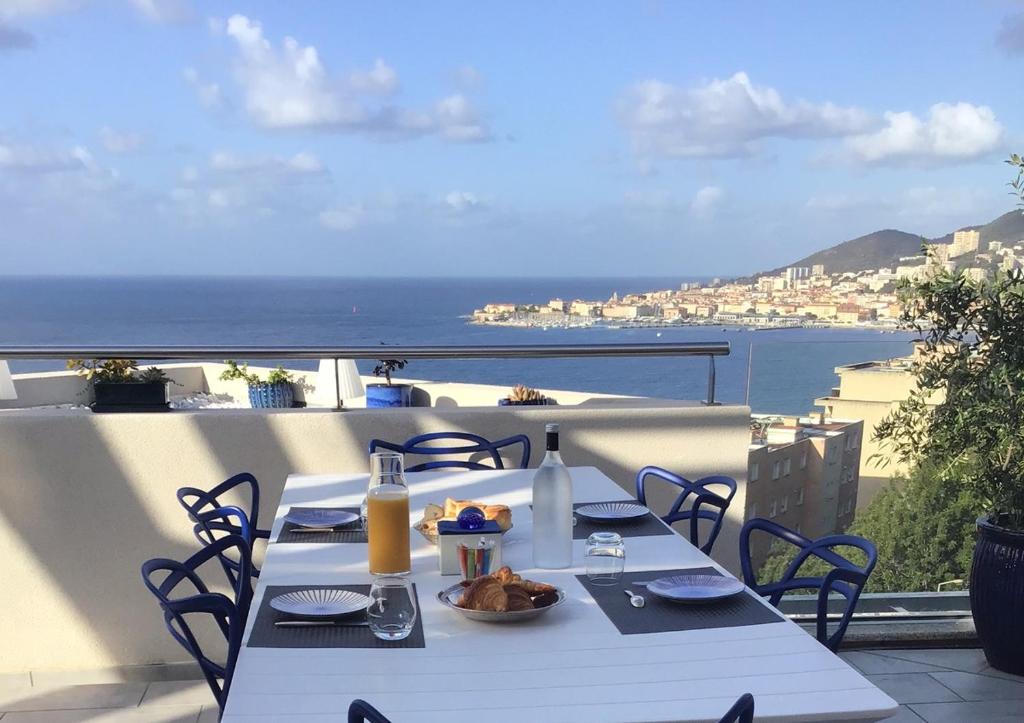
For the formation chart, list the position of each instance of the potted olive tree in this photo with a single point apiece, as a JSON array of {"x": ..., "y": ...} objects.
[
  {"x": 966, "y": 421},
  {"x": 388, "y": 394},
  {"x": 274, "y": 392},
  {"x": 119, "y": 386}
]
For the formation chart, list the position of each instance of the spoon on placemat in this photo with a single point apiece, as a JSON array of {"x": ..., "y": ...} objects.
[{"x": 636, "y": 601}]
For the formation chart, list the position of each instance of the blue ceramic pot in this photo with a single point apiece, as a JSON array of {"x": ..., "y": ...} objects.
[
  {"x": 381, "y": 395},
  {"x": 271, "y": 396},
  {"x": 997, "y": 589}
]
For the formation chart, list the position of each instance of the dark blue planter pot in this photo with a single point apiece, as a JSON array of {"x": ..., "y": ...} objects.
[
  {"x": 506, "y": 402},
  {"x": 271, "y": 396},
  {"x": 997, "y": 595},
  {"x": 381, "y": 395}
]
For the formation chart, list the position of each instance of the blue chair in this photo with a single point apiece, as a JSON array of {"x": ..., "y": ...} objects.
[
  {"x": 362, "y": 712},
  {"x": 846, "y": 577},
  {"x": 197, "y": 502},
  {"x": 702, "y": 498},
  {"x": 196, "y": 599},
  {"x": 742, "y": 710},
  {"x": 477, "y": 445}
]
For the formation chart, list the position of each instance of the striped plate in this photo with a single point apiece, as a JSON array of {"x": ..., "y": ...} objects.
[
  {"x": 695, "y": 588},
  {"x": 609, "y": 511},
  {"x": 320, "y": 603}
]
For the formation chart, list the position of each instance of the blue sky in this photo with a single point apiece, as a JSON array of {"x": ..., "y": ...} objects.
[{"x": 456, "y": 138}]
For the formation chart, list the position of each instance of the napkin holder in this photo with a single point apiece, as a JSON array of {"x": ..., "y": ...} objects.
[{"x": 449, "y": 535}]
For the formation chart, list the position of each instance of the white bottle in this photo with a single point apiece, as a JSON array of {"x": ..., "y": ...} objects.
[{"x": 552, "y": 508}]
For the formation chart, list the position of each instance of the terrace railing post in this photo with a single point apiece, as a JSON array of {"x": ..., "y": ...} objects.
[
  {"x": 711, "y": 382},
  {"x": 337, "y": 387}
]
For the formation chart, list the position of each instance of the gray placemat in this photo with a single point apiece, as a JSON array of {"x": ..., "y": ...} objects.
[
  {"x": 647, "y": 526},
  {"x": 265, "y": 635},
  {"x": 663, "y": 616},
  {"x": 351, "y": 533}
]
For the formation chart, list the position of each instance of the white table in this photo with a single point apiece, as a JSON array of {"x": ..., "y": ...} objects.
[{"x": 570, "y": 665}]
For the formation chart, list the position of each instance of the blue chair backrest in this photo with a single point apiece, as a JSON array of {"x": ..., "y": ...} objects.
[
  {"x": 477, "y": 445},
  {"x": 196, "y": 500},
  {"x": 163, "y": 578},
  {"x": 218, "y": 523},
  {"x": 846, "y": 577},
  {"x": 705, "y": 502},
  {"x": 362, "y": 712},
  {"x": 742, "y": 710}
]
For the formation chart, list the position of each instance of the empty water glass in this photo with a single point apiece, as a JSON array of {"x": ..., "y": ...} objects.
[
  {"x": 392, "y": 609},
  {"x": 605, "y": 557}
]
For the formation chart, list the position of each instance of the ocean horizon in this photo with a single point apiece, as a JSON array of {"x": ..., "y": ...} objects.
[{"x": 787, "y": 369}]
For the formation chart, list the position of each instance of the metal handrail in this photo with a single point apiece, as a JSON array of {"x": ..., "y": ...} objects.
[{"x": 385, "y": 351}]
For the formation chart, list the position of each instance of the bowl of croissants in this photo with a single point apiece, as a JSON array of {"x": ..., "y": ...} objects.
[
  {"x": 501, "y": 597},
  {"x": 432, "y": 514}
]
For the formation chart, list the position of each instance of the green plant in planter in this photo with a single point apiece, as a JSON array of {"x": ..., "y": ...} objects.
[
  {"x": 105, "y": 370},
  {"x": 971, "y": 367},
  {"x": 276, "y": 375},
  {"x": 387, "y": 367},
  {"x": 118, "y": 385}
]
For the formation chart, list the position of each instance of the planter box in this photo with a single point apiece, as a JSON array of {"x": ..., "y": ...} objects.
[
  {"x": 529, "y": 403},
  {"x": 130, "y": 397}
]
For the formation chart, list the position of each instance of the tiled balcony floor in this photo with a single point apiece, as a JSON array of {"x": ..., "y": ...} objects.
[{"x": 938, "y": 686}]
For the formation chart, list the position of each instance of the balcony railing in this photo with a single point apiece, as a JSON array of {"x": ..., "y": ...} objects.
[{"x": 507, "y": 351}]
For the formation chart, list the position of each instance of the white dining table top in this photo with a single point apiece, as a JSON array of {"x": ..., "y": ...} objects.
[{"x": 571, "y": 664}]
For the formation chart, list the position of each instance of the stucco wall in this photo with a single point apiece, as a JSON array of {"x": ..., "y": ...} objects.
[{"x": 85, "y": 498}]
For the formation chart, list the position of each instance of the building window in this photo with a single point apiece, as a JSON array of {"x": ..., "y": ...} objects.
[
  {"x": 786, "y": 466},
  {"x": 784, "y": 507},
  {"x": 776, "y": 469},
  {"x": 803, "y": 459},
  {"x": 799, "y": 496},
  {"x": 755, "y": 471},
  {"x": 774, "y": 509}
]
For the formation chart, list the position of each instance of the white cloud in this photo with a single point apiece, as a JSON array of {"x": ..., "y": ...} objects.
[
  {"x": 462, "y": 202},
  {"x": 209, "y": 93},
  {"x": 381, "y": 78},
  {"x": 165, "y": 12},
  {"x": 951, "y": 133},
  {"x": 299, "y": 164},
  {"x": 343, "y": 218},
  {"x": 11, "y": 9},
  {"x": 725, "y": 118},
  {"x": 30, "y": 160},
  {"x": 121, "y": 141},
  {"x": 289, "y": 87},
  {"x": 706, "y": 201}
]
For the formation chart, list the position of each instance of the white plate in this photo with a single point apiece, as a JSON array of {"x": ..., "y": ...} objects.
[
  {"x": 320, "y": 603},
  {"x": 450, "y": 596},
  {"x": 609, "y": 511},
  {"x": 320, "y": 519},
  {"x": 695, "y": 588}
]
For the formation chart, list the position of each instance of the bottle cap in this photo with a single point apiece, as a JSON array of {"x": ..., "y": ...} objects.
[{"x": 551, "y": 428}]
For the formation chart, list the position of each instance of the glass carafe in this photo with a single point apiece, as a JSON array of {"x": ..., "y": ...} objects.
[{"x": 387, "y": 515}]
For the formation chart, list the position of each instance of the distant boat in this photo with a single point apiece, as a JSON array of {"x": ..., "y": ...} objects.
[
  {"x": 353, "y": 309},
  {"x": 658, "y": 334}
]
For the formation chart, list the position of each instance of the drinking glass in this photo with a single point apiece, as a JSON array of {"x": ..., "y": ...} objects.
[
  {"x": 605, "y": 557},
  {"x": 387, "y": 515},
  {"x": 392, "y": 609}
]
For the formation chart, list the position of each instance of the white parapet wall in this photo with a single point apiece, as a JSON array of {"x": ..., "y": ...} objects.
[{"x": 86, "y": 498}]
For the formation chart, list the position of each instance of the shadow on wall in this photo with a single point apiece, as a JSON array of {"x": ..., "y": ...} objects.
[{"x": 87, "y": 498}]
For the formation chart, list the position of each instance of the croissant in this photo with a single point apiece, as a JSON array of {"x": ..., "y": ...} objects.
[
  {"x": 535, "y": 588},
  {"x": 505, "y": 576},
  {"x": 518, "y": 598},
  {"x": 486, "y": 593}
]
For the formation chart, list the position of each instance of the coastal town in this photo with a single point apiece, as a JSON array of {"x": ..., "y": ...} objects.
[{"x": 797, "y": 296}]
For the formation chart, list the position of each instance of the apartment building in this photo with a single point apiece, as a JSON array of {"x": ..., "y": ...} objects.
[
  {"x": 869, "y": 391},
  {"x": 803, "y": 473}
]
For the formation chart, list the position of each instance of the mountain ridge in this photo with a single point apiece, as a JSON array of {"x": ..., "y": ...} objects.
[{"x": 884, "y": 248}]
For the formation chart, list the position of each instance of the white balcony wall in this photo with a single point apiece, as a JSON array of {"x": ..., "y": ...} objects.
[{"x": 86, "y": 498}]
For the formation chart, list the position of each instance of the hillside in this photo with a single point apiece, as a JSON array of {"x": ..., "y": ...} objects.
[{"x": 884, "y": 248}]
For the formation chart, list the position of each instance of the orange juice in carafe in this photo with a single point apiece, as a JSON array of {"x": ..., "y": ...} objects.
[
  {"x": 387, "y": 527},
  {"x": 387, "y": 515}
]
